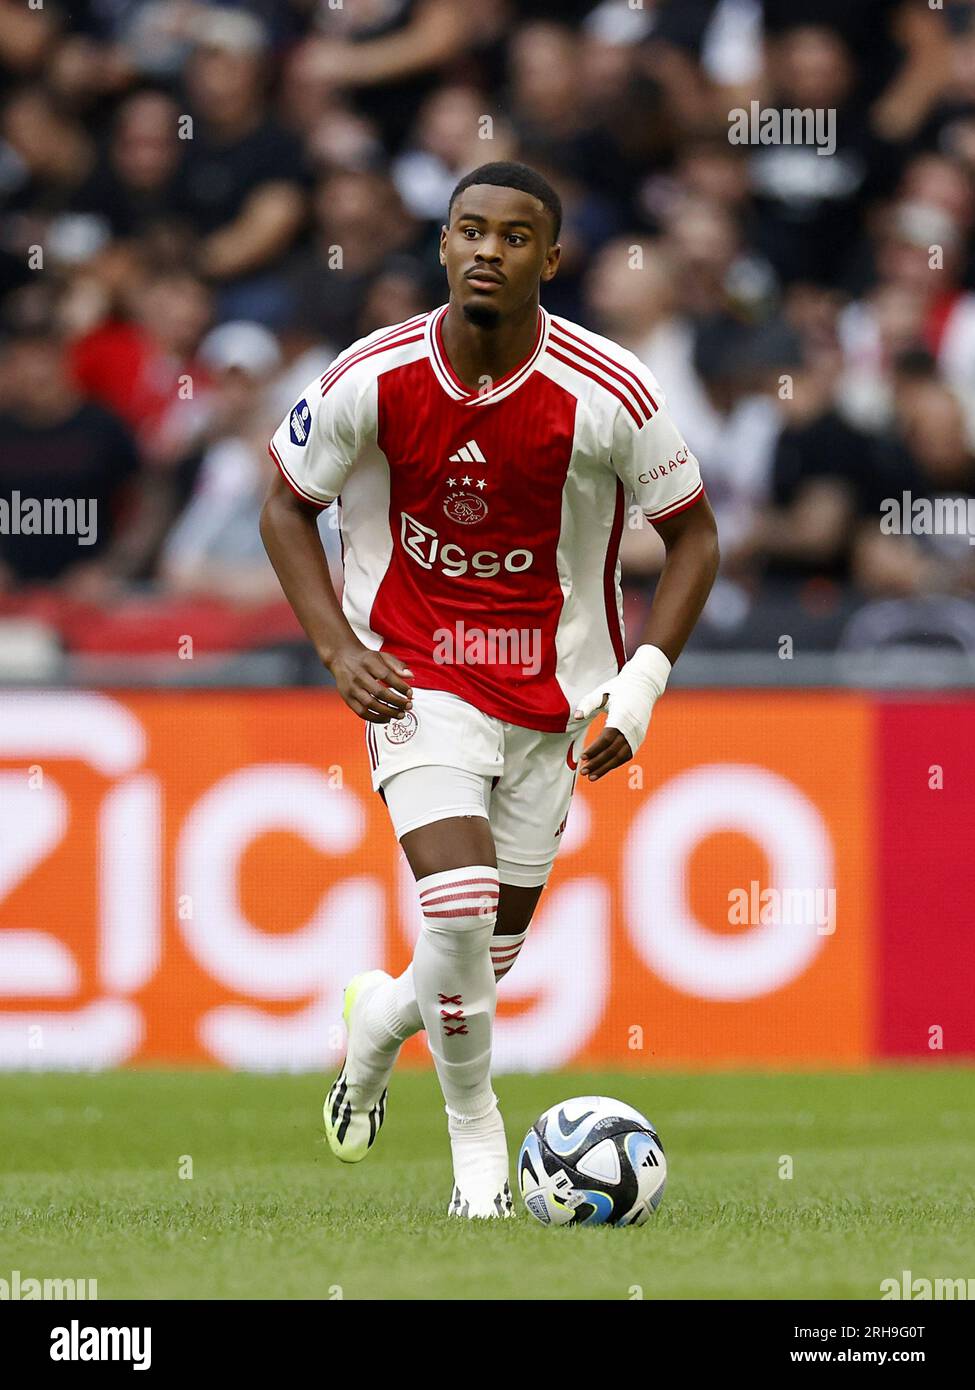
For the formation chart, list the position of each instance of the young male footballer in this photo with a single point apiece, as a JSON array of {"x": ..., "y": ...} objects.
[{"x": 482, "y": 455}]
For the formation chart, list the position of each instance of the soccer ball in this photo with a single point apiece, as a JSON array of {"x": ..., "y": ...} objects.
[{"x": 592, "y": 1161}]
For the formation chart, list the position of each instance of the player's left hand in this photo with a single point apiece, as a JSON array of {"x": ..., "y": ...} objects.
[
  {"x": 610, "y": 750},
  {"x": 629, "y": 698}
]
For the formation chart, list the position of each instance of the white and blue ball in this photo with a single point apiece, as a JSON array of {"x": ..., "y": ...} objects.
[{"x": 592, "y": 1161}]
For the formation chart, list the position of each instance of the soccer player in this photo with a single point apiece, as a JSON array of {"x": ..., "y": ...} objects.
[{"x": 481, "y": 455}]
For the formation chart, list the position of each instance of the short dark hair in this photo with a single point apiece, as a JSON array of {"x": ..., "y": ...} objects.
[{"x": 505, "y": 173}]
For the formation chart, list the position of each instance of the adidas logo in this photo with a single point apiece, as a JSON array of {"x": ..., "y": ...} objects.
[{"x": 470, "y": 453}]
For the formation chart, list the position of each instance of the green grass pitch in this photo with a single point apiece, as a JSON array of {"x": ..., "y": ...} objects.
[{"x": 90, "y": 1188}]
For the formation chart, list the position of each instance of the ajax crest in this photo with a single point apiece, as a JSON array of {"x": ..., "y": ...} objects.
[
  {"x": 401, "y": 730},
  {"x": 465, "y": 507}
]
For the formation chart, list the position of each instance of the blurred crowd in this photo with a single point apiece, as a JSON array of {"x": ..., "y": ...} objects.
[{"x": 200, "y": 204}]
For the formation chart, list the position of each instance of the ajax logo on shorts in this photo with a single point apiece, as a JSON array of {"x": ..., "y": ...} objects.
[
  {"x": 300, "y": 423},
  {"x": 402, "y": 730}
]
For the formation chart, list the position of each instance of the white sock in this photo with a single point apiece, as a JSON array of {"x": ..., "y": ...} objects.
[
  {"x": 454, "y": 980},
  {"x": 504, "y": 951},
  {"x": 391, "y": 1013}
]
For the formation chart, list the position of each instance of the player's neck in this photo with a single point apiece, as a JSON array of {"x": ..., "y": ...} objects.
[{"x": 475, "y": 353}]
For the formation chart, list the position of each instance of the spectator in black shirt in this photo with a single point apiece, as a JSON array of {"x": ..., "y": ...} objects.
[
  {"x": 389, "y": 55},
  {"x": 906, "y": 550},
  {"x": 900, "y": 48},
  {"x": 359, "y": 223},
  {"x": 59, "y": 448},
  {"x": 809, "y": 195},
  {"x": 827, "y": 479},
  {"x": 243, "y": 182},
  {"x": 132, "y": 188}
]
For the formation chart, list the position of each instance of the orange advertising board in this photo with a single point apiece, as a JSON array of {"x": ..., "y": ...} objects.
[{"x": 193, "y": 877}]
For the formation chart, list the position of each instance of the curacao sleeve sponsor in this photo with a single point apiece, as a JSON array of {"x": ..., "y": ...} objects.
[
  {"x": 318, "y": 441},
  {"x": 652, "y": 459}
]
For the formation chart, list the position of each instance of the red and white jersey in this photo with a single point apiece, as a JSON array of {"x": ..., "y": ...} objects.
[{"x": 489, "y": 512}]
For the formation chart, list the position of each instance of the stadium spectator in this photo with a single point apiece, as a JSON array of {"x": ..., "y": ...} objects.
[
  {"x": 47, "y": 154},
  {"x": 874, "y": 332},
  {"x": 215, "y": 546},
  {"x": 925, "y": 557},
  {"x": 739, "y": 424},
  {"x": 133, "y": 185},
  {"x": 243, "y": 180},
  {"x": 388, "y": 54},
  {"x": 808, "y": 194},
  {"x": 59, "y": 447},
  {"x": 950, "y": 128},
  {"x": 448, "y": 139},
  {"x": 826, "y": 479},
  {"x": 26, "y": 38},
  {"x": 359, "y": 222},
  {"x": 715, "y": 272},
  {"x": 137, "y": 364},
  {"x": 632, "y": 297},
  {"x": 920, "y": 259}
]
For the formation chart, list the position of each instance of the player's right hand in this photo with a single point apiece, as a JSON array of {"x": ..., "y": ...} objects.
[{"x": 374, "y": 685}]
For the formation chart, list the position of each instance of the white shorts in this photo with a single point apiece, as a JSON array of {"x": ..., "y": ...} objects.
[{"x": 521, "y": 780}]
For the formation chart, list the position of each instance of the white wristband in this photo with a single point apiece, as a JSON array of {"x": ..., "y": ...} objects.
[
  {"x": 650, "y": 663},
  {"x": 631, "y": 694}
]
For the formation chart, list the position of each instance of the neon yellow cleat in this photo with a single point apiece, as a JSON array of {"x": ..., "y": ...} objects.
[{"x": 354, "y": 1117}]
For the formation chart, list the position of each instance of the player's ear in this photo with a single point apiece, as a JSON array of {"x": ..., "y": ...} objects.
[
  {"x": 443, "y": 245},
  {"x": 552, "y": 258}
]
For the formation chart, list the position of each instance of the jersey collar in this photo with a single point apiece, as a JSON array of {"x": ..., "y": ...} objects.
[{"x": 510, "y": 382}]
